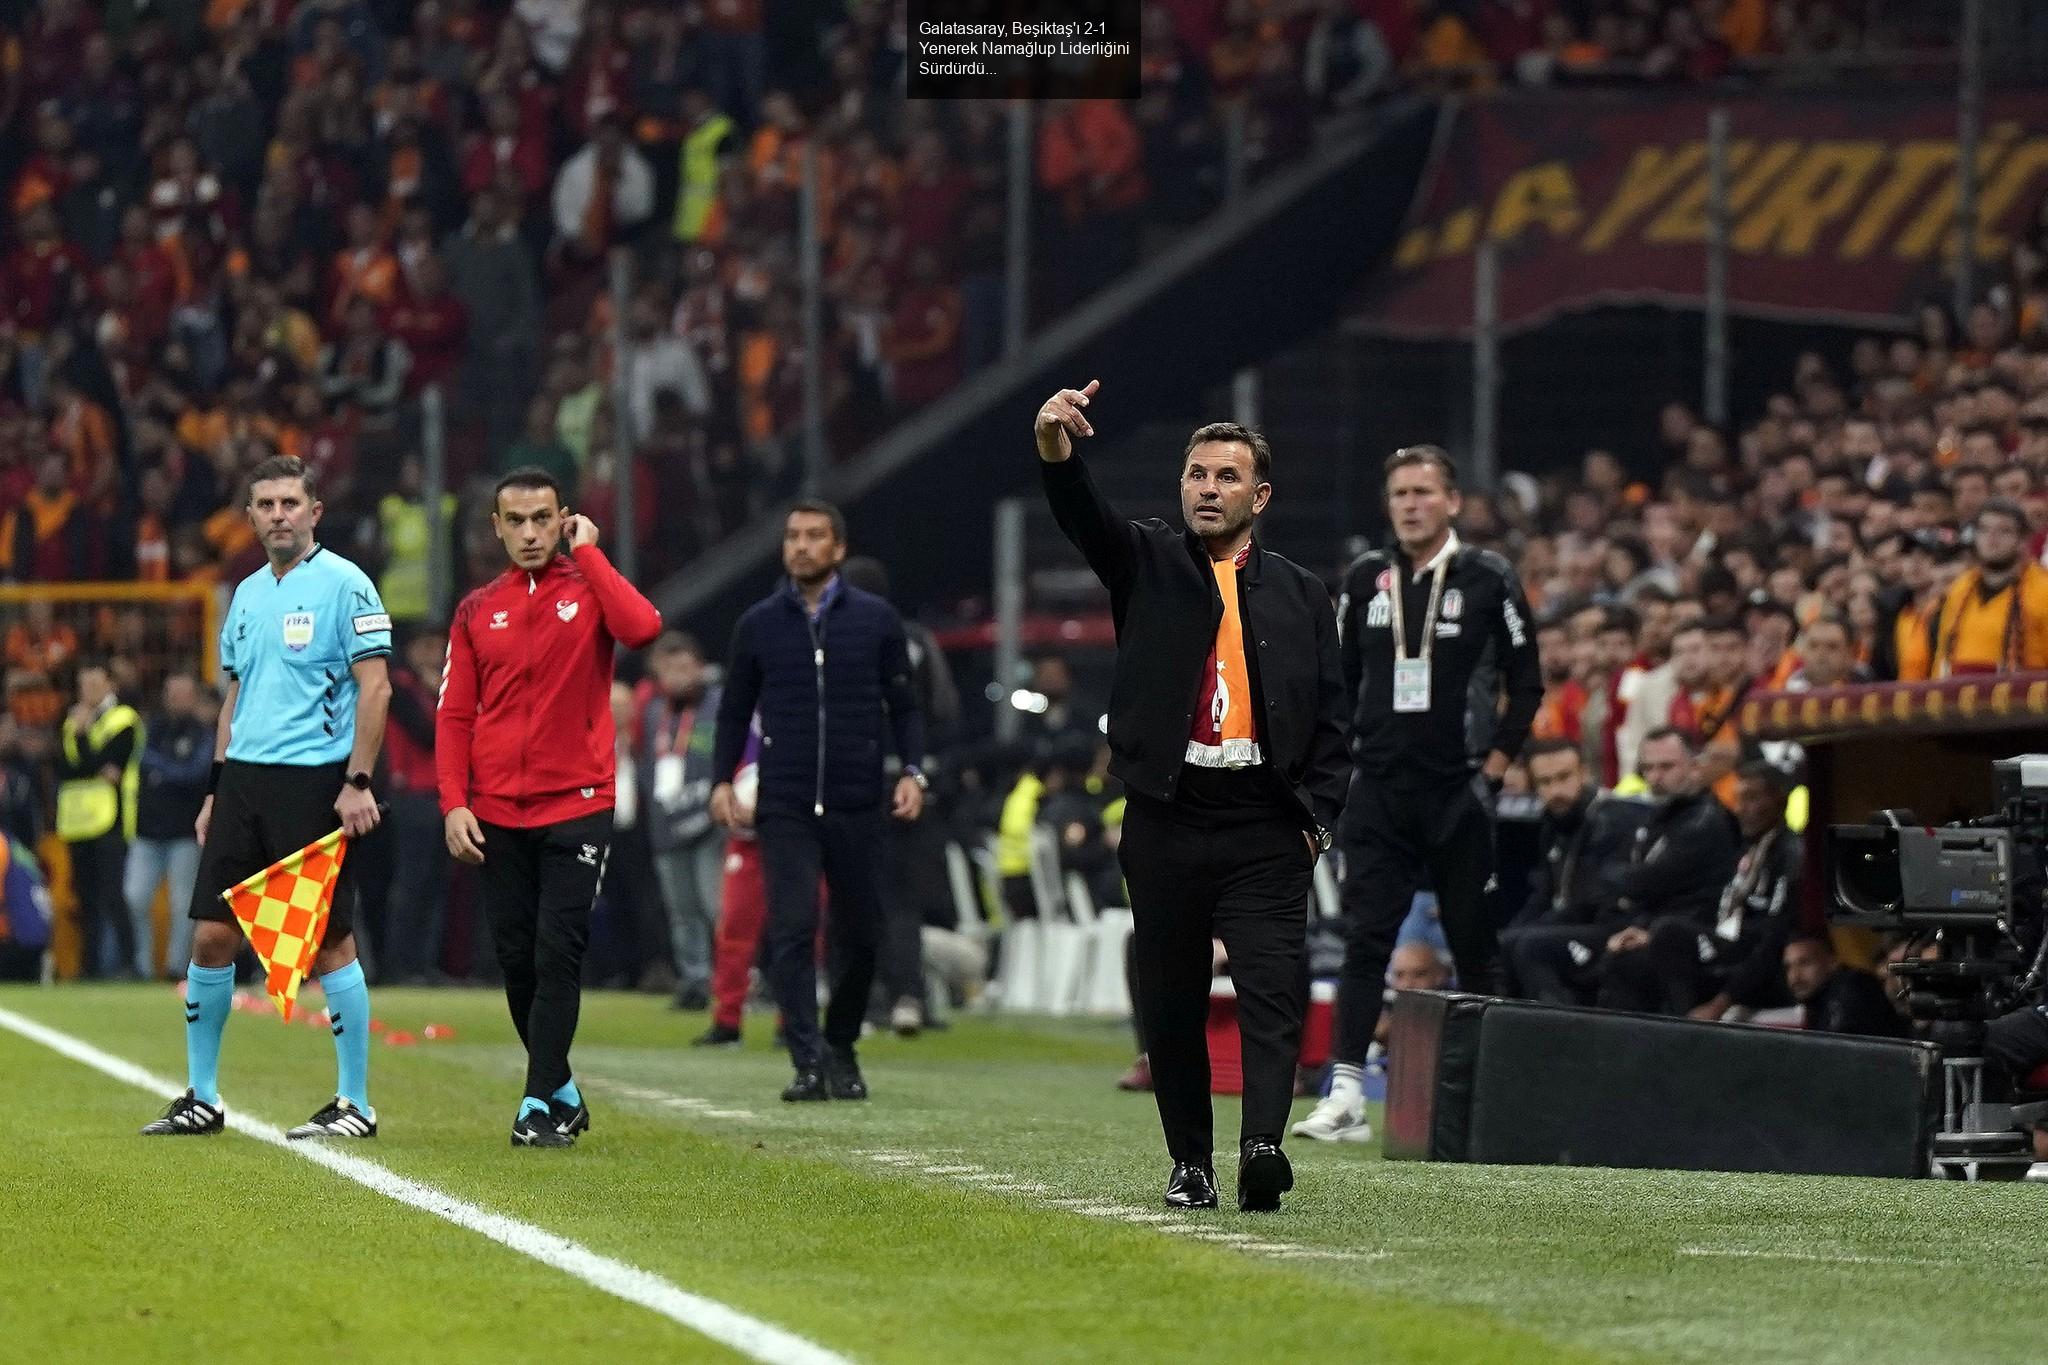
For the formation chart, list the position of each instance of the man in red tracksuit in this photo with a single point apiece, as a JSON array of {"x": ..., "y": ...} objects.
[{"x": 524, "y": 748}]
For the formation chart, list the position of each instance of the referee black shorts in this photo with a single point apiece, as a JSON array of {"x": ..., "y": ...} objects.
[{"x": 263, "y": 812}]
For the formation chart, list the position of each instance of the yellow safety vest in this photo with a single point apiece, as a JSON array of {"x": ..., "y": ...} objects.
[
  {"x": 408, "y": 544},
  {"x": 88, "y": 807},
  {"x": 698, "y": 177},
  {"x": 1013, "y": 829}
]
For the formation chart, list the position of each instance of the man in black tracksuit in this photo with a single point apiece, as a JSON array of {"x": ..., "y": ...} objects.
[
  {"x": 1740, "y": 958},
  {"x": 1585, "y": 840},
  {"x": 1226, "y": 724},
  {"x": 1417, "y": 621},
  {"x": 1683, "y": 860},
  {"x": 827, "y": 667}
]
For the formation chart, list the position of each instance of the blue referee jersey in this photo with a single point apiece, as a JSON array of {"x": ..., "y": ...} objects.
[{"x": 291, "y": 643}]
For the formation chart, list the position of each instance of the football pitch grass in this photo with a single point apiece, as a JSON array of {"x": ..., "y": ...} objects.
[{"x": 997, "y": 1200}]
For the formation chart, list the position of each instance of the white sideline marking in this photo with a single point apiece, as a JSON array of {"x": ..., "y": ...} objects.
[
  {"x": 1832, "y": 1258},
  {"x": 728, "y": 1326},
  {"x": 688, "y": 1104},
  {"x": 980, "y": 1178}
]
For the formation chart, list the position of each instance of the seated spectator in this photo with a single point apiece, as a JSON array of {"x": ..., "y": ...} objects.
[
  {"x": 1995, "y": 617},
  {"x": 1738, "y": 964},
  {"x": 1585, "y": 842},
  {"x": 1838, "y": 999}
]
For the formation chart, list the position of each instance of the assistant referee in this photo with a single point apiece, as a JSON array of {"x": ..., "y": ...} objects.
[
  {"x": 1417, "y": 623},
  {"x": 525, "y": 753},
  {"x": 304, "y": 648}
]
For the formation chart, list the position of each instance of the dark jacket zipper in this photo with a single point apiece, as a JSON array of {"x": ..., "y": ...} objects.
[{"x": 816, "y": 626}]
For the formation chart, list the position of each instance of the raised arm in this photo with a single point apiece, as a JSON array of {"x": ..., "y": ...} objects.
[
  {"x": 628, "y": 615},
  {"x": 1105, "y": 539}
]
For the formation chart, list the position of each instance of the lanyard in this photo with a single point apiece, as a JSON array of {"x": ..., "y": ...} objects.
[
  {"x": 1436, "y": 597},
  {"x": 671, "y": 738}
]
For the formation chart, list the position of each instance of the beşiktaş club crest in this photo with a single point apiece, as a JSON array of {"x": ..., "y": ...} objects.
[
  {"x": 566, "y": 610},
  {"x": 1454, "y": 604}
]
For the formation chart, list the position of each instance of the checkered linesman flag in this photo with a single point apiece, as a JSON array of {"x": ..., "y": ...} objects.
[{"x": 283, "y": 909}]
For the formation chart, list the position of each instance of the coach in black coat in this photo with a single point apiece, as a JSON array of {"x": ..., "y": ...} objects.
[{"x": 1226, "y": 726}]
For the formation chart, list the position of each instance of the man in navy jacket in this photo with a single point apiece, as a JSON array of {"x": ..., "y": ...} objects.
[{"x": 827, "y": 667}]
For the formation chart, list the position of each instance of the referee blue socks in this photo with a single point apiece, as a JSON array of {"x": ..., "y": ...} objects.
[
  {"x": 209, "y": 996},
  {"x": 570, "y": 1095},
  {"x": 348, "y": 1007}
]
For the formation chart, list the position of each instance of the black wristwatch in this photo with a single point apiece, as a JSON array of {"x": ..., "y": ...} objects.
[{"x": 360, "y": 781}]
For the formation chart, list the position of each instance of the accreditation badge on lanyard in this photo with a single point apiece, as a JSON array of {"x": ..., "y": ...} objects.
[{"x": 1411, "y": 676}]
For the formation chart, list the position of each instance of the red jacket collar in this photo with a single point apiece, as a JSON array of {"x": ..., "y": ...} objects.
[{"x": 555, "y": 568}]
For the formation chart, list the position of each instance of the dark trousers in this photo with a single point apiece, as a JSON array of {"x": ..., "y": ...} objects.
[
  {"x": 1396, "y": 841},
  {"x": 1664, "y": 976},
  {"x": 1682, "y": 965},
  {"x": 418, "y": 903},
  {"x": 2016, "y": 1043},
  {"x": 538, "y": 888},
  {"x": 844, "y": 845},
  {"x": 96, "y": 869},
  {"x": 1558, "y": 964},
  {"x": 1248, "y": 886}
]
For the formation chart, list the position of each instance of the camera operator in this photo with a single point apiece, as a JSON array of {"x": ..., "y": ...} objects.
[
  {"x": 2015, "y": 1046},
  {"x": 1584, "y": 843},
  {"x": 1838, "y": 999}
]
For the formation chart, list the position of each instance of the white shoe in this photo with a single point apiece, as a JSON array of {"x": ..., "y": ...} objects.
[
  {"x": 1335, "y": 1120},
  {"x": 906, "y": 1018}
]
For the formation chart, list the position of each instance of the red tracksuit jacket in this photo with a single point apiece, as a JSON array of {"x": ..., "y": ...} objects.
[{"x": 524, "y": 732}]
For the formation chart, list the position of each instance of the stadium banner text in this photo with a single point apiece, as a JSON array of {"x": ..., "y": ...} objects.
[{"x": 1839, "y": 208}]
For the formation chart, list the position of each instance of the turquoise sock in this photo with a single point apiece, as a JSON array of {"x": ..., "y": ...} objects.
[
  {"x": 570, "y": 1095},
  {"x": 348, "y": 1008},
  {"x": 209, "y": 996},
  {"x": 530, "y": 1105}
]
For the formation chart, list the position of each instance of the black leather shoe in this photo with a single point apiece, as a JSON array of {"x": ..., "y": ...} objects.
[
  {"x": 1191, "y": 1187},
  {"x": 1263, "y": 1175},
  {"x": 808, "y": 1085},
  {"x": 842, "y": 1076}
]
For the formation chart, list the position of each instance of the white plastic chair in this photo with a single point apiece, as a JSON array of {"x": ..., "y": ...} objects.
[{"x": 1106, "y": 992}]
